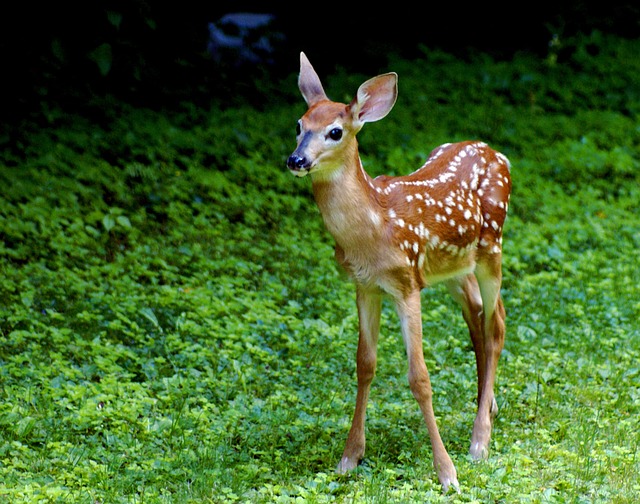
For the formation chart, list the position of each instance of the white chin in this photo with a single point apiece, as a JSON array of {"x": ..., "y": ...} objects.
[{"x": 300, "y": 173}]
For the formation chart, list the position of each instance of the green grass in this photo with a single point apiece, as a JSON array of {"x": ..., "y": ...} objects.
[{"x": 173, "y": 327}]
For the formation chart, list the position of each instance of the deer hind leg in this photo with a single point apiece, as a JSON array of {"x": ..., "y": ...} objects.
[
  {"x": 411, "y": 323},
  {"x": 369, "y": 308},
  {"x": 489, "y": 275},
  {"x": 466, "y": 292}
]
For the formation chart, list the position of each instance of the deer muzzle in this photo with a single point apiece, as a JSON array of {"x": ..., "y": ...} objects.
[{"x": 299, "y": 165}]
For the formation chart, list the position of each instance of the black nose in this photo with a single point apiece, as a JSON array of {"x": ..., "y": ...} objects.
[{"x": 296, "y": 162}]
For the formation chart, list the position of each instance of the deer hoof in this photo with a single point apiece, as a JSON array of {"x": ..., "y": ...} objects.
[
  {"x": 346, "y": 465},
  {"x": 479, "y": 452},
  {"x": 450, "y": 484}
]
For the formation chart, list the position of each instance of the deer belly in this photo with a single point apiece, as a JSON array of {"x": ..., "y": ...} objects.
[{"x": 444, "y": 268}]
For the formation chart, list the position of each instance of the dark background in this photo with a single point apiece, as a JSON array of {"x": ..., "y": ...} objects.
[{"x": 154, "y": 54}]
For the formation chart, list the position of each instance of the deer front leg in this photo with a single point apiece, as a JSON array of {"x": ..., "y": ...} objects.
[
  {"x": 411, "y": 323},
  {"x": 369, "y": 307}
]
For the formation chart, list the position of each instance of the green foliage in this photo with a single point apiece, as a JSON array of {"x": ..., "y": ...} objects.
[{"x": 173, "y": 327}]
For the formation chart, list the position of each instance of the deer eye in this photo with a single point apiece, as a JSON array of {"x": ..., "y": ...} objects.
[{"x": 335, "y": 134}]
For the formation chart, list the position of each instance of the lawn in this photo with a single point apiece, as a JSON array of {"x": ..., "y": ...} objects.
[{"x": 174, "y": 328}]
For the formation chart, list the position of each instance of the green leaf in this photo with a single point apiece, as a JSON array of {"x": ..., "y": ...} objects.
[
  {"x": 115, "y": 18},
  {"x": 102, "y": 56},
  {"x": 109, "y": 222},
  {"x": 149, "y": 314},
  {"x": 57, "y": 49},
  {"x": 123, "y": 221}
]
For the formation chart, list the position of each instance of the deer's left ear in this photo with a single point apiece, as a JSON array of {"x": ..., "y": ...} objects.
[{"x": 375, "y": 98}]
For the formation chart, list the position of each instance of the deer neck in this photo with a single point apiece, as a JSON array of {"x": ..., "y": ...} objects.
[{"x": 348, "y": 202}]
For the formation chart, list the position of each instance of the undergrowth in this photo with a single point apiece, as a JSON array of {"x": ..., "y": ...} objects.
[{"x": 173, "y": 327}]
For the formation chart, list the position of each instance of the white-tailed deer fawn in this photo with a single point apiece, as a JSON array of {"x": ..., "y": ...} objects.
[{"x": 397, "y": 235}]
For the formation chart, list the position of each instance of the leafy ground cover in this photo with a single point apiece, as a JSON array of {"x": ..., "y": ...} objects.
[{"x": 173, "y": 327}]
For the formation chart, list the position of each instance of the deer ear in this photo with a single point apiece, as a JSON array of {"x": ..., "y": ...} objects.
[
  {"x": 309, "y": 82},
  {"x": 375, "y": 98}
]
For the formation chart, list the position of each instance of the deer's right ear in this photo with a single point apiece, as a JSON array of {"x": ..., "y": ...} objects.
[{"x": 309, "y": 83}]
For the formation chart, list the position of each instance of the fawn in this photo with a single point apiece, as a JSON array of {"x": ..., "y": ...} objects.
[{"x": 398, "y": 235}]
